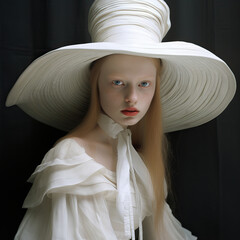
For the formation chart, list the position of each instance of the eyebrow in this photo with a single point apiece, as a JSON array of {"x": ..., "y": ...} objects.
[{"x": 144, "y": 77}]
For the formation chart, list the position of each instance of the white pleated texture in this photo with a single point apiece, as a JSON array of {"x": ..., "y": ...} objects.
[
  {"x": 196, "y": 85},
  {"x": 128, "y": 21}
]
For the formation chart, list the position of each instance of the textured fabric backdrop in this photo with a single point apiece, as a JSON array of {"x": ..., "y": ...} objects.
[{"x": 204, "y": 160}]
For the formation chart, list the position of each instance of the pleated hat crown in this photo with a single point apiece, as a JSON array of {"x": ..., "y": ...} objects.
[{"x": 129, "y": 21}]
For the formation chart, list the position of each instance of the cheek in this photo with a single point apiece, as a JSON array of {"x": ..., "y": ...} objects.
[
  {"x": 108, "y": 98},
  {"x": 102, "y": 97},
  {"x": 147, "y": 98}
]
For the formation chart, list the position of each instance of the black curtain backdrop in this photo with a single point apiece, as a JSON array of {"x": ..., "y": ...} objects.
[{"x": 204, "y": 160}]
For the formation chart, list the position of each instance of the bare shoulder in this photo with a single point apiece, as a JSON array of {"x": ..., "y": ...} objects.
[
  {"x": 82, "y": 141},
  {"x": 96, "y": 146},
  {"x": 87, "y": 141}
]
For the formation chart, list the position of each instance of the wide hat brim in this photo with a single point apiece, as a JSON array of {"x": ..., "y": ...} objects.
[{"x": 196, "y": 86}]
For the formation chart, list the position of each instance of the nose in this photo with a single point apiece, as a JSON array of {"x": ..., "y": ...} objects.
[{"x": 131, "y": 95}]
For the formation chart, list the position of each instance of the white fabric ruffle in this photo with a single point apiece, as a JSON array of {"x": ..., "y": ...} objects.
[{"x": 74, "y": 198}]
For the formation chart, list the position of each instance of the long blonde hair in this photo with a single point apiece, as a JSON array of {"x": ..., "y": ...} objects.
[{"x": 147, "y": 135}]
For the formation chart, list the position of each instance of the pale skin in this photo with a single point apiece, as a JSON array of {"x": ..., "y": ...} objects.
[{"x": 125, "y": 82}]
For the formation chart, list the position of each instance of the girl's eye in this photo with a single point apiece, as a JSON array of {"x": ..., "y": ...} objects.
[
  {"x": 117, "y": 82},
  {"x": 144, "y": 84}
]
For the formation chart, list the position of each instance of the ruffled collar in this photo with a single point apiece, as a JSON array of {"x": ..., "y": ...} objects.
[{"x": 110, "y": 127}]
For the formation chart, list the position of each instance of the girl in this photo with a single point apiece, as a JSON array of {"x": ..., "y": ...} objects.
[{"x": 106, "y": 177}]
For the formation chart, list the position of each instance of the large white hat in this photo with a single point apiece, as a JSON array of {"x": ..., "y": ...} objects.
[{"x": 196, "y": 85}]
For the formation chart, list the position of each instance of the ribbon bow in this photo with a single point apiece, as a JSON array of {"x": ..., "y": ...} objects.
[{"x": 125, "y": 171}]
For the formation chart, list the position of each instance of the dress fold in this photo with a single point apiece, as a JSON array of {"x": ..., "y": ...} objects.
[
  {"x": 69, "y": 172},
  {"x": 73, "y": 197}
]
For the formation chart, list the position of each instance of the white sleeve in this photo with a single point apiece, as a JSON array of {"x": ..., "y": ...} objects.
[
  {"x": 171, "y": 229},
  {"x": 67, "y": 217},
  {"x": 67, "y": 199}
]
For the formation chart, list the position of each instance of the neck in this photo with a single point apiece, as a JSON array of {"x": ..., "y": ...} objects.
[{"x": 102, "y": 136}]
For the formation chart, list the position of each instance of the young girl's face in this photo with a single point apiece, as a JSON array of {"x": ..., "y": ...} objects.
[{"x": 126, "y": 87}]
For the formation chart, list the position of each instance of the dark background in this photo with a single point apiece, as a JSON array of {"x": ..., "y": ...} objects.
[{"x": 204, "y": 160}]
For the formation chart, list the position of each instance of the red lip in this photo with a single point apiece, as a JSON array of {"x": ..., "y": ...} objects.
[{"x": 130, "y": 112}]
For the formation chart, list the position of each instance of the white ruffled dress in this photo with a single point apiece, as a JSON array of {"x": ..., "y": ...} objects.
[{"x": 75, "y": 198}]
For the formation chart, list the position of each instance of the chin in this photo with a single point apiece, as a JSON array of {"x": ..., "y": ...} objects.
[{"x": 129, "y": 122}]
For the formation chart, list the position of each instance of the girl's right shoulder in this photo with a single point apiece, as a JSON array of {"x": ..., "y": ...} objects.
[
  {"x": 66, "y": 168},
  {"x": 65, "y": 151}
]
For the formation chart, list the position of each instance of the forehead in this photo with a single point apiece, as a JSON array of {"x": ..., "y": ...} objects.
[{"x": 127, "y": 63}]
